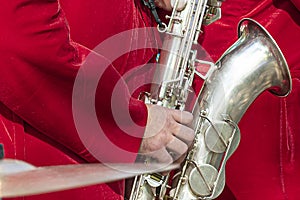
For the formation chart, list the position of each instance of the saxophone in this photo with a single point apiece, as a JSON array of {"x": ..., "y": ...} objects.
[{"x": 253, "y": 64}]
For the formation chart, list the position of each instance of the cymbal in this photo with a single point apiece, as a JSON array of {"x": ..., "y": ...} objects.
[
  {"x": 9, "y": 166},
  {"x": 24, "y": 179}
]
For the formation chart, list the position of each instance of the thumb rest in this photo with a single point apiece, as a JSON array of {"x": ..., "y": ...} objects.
[{"x": 253, "y": 64}]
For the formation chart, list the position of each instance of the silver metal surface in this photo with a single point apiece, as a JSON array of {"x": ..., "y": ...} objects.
[
  {"x": 202, "y": 179},
  {"x": 30, "y": 180},
  {"x": 250, "y": 66},
  {"x": 177, "y": 74},
  {"x": 217, "y": 136},
  {"x": 10, "y": 166},
  {"x": 175, "y": 71}
]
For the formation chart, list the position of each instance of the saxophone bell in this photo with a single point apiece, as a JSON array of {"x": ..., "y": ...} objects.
[{"x": 253, "y": 64}]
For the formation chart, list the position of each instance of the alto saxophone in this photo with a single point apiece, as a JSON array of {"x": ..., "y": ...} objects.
[{"x": 253, "y": 64}]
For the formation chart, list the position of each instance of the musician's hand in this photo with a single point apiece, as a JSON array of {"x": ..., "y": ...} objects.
[
  {"x": 167, "y": 135},
  {"x": 169, "y": 4}
]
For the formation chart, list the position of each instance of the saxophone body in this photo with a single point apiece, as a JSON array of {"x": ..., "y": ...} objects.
[
  {"x": 253, "y": 64},
  {"x": 176, "y": 69},
  {"x": 175, "y": 73}
]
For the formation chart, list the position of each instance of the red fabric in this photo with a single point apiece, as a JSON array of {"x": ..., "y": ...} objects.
[
  {"x": 39, "y": 63},
  {"x": 266, "y": 164}
]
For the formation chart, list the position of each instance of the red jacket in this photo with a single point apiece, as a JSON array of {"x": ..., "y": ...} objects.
[
  {"x": 39, "y": 64},
  {"x": 266, "y": 164}
]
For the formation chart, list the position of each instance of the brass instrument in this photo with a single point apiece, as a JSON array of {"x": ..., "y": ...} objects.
[{"x": 253, "y": 64}]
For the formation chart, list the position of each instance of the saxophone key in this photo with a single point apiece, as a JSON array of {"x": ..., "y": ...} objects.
[
  {"x": 217, "y": 136},
  {"x": 202, "y": 180}
]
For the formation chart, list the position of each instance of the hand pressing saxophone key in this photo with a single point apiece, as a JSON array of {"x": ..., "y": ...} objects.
[{"x": 167, "y": 135}]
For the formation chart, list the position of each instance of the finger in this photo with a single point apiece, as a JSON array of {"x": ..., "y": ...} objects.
[
  {"x": 177, "y": 148},
  {"x": 180, "y": 6},
  {"x": 162, "y": 156},
  {"x": 184, "y": 133},
  {"x": 153, "y": 144},
  {"x": 182, "y": 117},
  {"x": 180, "y": 159},
  {"x": 164, "y": 4},
  {"x": 169, "y": 4}
]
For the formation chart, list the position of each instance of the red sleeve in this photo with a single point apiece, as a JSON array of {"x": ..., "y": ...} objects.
[
  {"x": 39, "y": 64},
  {"x": 296, "y": 3}
]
